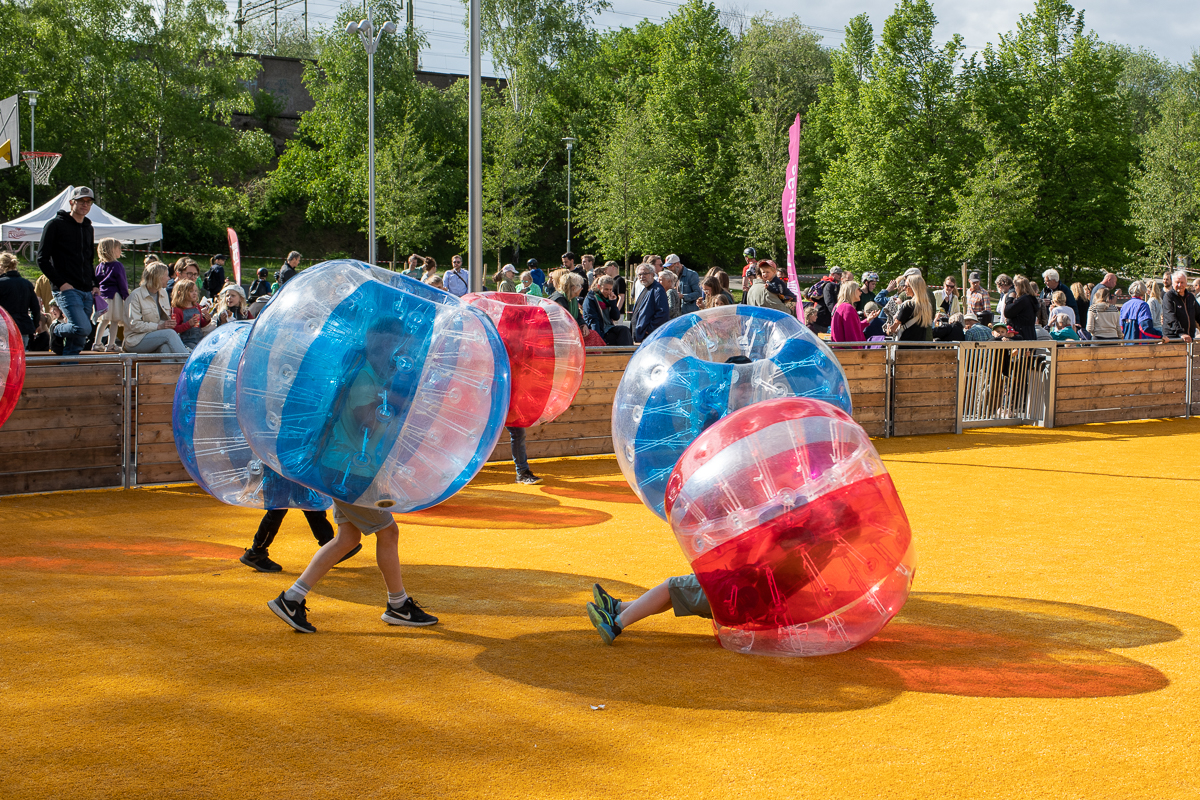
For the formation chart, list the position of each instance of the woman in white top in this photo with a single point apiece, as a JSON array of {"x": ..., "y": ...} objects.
[
  {"x": 148, "y": 324},
  {"x": 1059, "y": 307}
]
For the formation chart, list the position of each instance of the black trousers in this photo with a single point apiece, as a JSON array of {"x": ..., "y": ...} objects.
[
  {"x": 618, "y": 336},
  {"x": 317, "y": 522}
]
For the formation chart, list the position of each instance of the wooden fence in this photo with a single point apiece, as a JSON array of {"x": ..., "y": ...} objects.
[{"x": 106, "y": 421}]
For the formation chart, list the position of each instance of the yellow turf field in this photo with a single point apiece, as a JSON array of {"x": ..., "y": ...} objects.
[{"x": 1048, "y": 649}]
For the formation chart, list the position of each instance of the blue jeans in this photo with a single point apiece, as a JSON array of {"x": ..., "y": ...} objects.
[
  {"x": 77, "y": 308},
  {"x": 516, "y": 437}
]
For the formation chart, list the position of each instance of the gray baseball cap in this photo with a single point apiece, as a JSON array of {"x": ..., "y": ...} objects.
[{"x": 81, "y": 192}]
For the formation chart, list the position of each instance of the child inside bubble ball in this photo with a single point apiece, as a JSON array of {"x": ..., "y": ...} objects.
[
  {"x": 681, "y": 593},
  {"x": 368, "y": 411}
]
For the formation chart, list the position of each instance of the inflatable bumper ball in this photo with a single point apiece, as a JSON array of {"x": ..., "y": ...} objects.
[
  {"x": 545, "y": 354},
  {"x": 793, "y": 528},
  {"x": 210, "y": 443},
  {"x": 372, "y": 388},
  {"x": 698, "y": 368},
  {"x": 12, "y": 365}
]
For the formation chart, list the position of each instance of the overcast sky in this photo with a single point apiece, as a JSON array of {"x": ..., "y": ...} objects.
[{"x": 1170, "y": 28}]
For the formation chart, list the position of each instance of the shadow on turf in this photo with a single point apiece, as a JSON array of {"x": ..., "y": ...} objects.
[{"x": 957, "y": 644}]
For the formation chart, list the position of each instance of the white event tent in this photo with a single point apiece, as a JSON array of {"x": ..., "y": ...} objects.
[{"x": 28, "y": 228}]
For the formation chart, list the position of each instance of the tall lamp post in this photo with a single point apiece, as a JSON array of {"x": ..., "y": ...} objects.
[
  {"x": 32, "y": 96},
  {"x": 475, "y": 158},
  {"x": 366, "y": 32},
  {"x": 570, "y": 142}
]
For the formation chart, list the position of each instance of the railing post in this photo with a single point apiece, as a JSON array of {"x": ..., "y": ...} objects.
[
  {"x": 889, "y": 376},
  {"x": 1187, "y": 386},
  {"x": 133, "y": 427},
  {"x": 1051, "y": 388},
  {"x": 126, "y": 419},
  {"x": 960, "y": 391}
]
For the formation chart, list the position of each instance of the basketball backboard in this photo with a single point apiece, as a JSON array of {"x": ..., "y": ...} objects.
[{"x": 10, "y": 132}]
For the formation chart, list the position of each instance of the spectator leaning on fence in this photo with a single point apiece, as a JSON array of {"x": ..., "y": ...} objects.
[
  {"x": 18, "y": 298},
  {"x": 1179, "y": 309},
  {"x": 1136, "y": 319},
  {"x": 1104, "y": 319}
]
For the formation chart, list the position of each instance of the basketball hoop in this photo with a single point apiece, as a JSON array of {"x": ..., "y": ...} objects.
[{"x": 41, "y": 165}]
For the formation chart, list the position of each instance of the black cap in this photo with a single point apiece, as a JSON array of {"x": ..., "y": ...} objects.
[
  {"x": 531, "y": 262},
  {"x": 262, "y": 272}
]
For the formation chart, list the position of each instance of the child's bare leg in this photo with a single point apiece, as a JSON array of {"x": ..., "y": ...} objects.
[
  {"x": 331, "y": 553},
  {"x": 387, "y": 556},
  {"x": 655, "y": 601}
]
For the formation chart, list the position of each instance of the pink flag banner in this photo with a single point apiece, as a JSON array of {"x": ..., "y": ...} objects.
[
  {"x": 236, "y": 253},
  {"x": 789, "y": 210}
]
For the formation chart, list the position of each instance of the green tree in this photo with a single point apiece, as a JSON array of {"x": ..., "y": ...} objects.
[
  {"x": 693, "y": 106},
  {"x": 406, "y": 191},
  {"x": 1166, "y": 192},
  {"x": 887, "y": 197},
  {"x": 995, "y": 201},
  {"x": 1051, "y": 92},
  {"x": 529, "y": 38},
  {"x": 782, "y": 65},
  {"x": 616, "y": 189},
  {"x": 507, "y": 217}
]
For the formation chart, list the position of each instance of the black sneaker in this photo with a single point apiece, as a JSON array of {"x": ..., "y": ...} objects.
[
  {"x": 351, "y": 554},
  {"x": 408, "y": 613},
  {"x": 294, "y": 614},
  {"x": 605, "y": 623},
  {"x": 610, "y": 604},
  {"x": 259, "y": 561},
  {"x": 528, "y": 477}
]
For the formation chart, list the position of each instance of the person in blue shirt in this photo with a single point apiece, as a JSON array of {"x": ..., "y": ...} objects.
[
  {"x": 652, "y": 310},
  {"x": 539, "y": 277}
]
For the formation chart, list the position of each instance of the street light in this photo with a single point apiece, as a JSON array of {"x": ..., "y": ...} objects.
[
  {"x": 475, "y": 156},
  {"x": 570, "y": 141},
  {"x": 366, "y": 32},
  {"x": 32, "y": 96}
]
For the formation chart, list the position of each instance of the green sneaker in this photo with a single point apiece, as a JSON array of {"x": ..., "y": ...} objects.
[
  {"x": 605, "y": 600},
  {"x": 605, "y": 623}
]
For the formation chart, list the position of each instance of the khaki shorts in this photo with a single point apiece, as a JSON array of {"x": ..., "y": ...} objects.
[
  {"x": 687, "y": 598},
  {"x": 367, "y": 520}
]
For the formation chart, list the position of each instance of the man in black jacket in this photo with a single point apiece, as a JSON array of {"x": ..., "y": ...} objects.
[
  {"x": 65, "y": 257},
  {"x": 1179, "y": 310},
  {"x": 18, "y": 298}
]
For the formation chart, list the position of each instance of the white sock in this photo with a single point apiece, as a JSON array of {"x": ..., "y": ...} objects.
[
  {"x": 397, "y": 600},
  {"x": 297, "y": 592}
]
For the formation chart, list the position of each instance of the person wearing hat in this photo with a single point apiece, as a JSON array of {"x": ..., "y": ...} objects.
[
  {"x": 505, "y": 279},
  {"x": 751, "y": 256},
  {"x": 978, "y": 300},
  {"x": 870, "y": 281},
  {"x": 973, "y": 331},
  {"x": 65, "y": 257},
  {"x": 536, "y": 273},
  {"x": 261, "y": 287}
]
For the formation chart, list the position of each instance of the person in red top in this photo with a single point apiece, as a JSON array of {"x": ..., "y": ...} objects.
[{"x": 189, "y": 319}]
